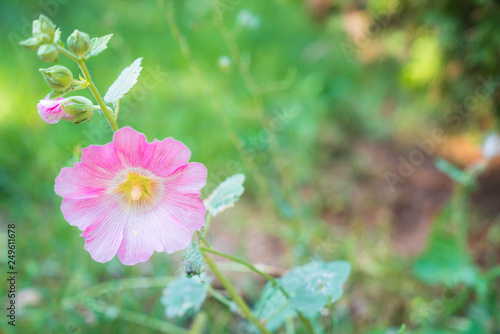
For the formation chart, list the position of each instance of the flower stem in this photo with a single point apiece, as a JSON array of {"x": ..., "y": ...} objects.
[
  {"x": 95, "y": 92},
  {"x": 245, "y": 310},
  {"x": 240, "y": 261},
  {"x": 81, "y": 63},
  {"x": 301, "y": 316}
]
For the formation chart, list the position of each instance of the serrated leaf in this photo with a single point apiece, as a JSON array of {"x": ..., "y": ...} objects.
[
  {"x": 185, "y": 295},
  {"x": 98, "y": 45},
  {"x": 311, "y": 287},
  {"x": 193, "y": 258},
  {"x": 125, "y": 81},
  {"x": 226, "y": 194}
]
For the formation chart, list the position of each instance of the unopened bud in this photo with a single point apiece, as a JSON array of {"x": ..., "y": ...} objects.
[
  {"x": 78, "y": 106},
  {"x": 47, "y": 52},
  {"x": 32, "y": 43},
  {"x": 44, "y": 26},
  {"x": 79, "y": 43},
  {"x": 58, "y": 77}
]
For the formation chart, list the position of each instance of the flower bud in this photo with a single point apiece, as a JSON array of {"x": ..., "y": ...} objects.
[
  {"x": 44, "y": 26},
  {"x": 58, "y": 77},
  {"x": 79, "y": 43},
  {"x": 51, "y": 111},
  {"x": 78, "y": 106},
  {"x": 32, "y": 43},
  {"x": 47, "y": 52}
]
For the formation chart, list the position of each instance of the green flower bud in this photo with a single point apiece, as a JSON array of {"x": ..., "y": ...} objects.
[
  {"x": 78, "y": 106},
  {"x": 32, "y": 43},
  {"x": 44, "y": 26},
  {"x": 79, "y": 43},
  {"x": 58, "y": 77},
  {"x": 47, "y": 52}
]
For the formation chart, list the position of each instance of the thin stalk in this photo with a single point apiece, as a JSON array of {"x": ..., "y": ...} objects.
[
  {"x": 224, "y": 300},
  {"x": 301, "y": 316},
  {"x": 81, "y": 63},
  {"x": 245, "y": 310},
  {"x": 240, "y": 261},
  {"x": 100, "y": 101},
  {"x": 206, "y": 225}
]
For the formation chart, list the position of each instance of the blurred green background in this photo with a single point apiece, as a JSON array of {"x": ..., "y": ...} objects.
[{"x": 318, "y": 103}]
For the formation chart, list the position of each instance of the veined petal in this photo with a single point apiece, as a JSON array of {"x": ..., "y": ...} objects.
[
  {"x": 151, "y": 231},
  {"x": 190, "y": 178},
  {"x": 91, "y": 177}
]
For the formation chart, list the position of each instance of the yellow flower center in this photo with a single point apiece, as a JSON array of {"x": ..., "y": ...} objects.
[{"x": 138, "y": 188}]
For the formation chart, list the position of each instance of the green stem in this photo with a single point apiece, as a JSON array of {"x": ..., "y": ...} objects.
[
  {"x": 301, "y": 316},
  {"x": 95, "y": 92},
  {"x": 206, "y": 225},
  {"x": 245, "y": 310},
  {"x": 224, "y": 300},
  {"x": 240, "y": 261},
  {"x": 81, "y": 63},
  {"x": 67, "y": 53}
]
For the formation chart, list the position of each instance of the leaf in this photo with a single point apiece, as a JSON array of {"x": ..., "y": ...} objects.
[
  {"x": 185, "y": 295},
  {"x": 193, "y": 260},
  {"x": 444, "y": 262},
  {"x": 98, "y": 45},
  {"x": 226, "y": 194},
  {"x": 126, "y": 80},
  {"x": 311, "y": 287},
  {"x": 446, "y": 259}
]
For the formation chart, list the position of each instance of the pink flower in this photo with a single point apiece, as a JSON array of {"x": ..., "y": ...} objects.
[
  {"x": 131, "y": 197},
  {"x": 51, "y": 111}
]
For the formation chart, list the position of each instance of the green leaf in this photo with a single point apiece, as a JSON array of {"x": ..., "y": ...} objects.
[
  {"x": 457, "y": 175},
  {"x": 193, "y": 258},
  {"x": 311, "y": 287},
  {"x": 226, "y": 194},
  {"x": 125, "y": 81},
  {"x": 98, "y": 45},
  {"x": 185, "y": 295},
  {"x": 444, "y": 262}
]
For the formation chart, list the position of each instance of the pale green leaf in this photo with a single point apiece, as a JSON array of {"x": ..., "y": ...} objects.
[
  {"x": 185, "y": 295},
  {"x": 310, "y": 287},
  {"x": 125, "y": 81},
  {"x": 226, "y": 194},
  {"x": 98, "y": 45}
]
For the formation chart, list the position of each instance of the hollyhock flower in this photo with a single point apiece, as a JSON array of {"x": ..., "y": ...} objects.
[
  {"x": 131, "y": 197},
  {"x": 51, "y": 111}
]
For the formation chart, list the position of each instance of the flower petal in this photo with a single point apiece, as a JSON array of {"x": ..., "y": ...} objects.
[
  {"x": 151, "y": 231},
  {"x": 168, "y": 156},
  {"x": 190, "y": 178},
  {"x": 131, "y": 147},
  {"x": 91, "y": 177},
  {"x": 105, "y": 235}
]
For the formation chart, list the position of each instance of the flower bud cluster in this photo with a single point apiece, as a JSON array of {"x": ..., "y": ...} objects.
[{"x": 43, "y": 39}]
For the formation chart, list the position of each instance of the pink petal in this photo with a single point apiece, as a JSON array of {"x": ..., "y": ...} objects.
[
  {"x": 187, "y": 209},
  {"x": 131, "y": 147},
  {"x": 190, "y": 178},
  {"x": 105, "y": 235},
  {"x": 84, "y": 212},
  {"x": 151, "y": 231},
  {"x": 168, "y": 156},
  {"x": 91, "y": 177}
]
